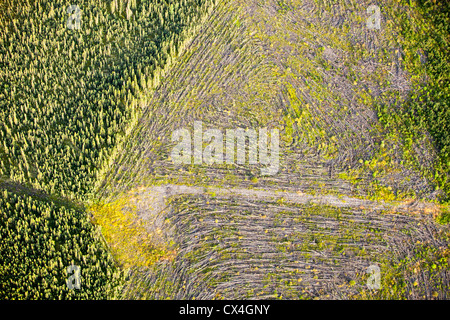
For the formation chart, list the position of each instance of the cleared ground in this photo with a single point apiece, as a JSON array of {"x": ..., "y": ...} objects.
[
  {"x": 313, "y": 70},
  {"x": 234, "y": 244}
]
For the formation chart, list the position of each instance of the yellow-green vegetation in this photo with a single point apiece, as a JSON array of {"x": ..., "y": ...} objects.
[
  {"x": 444, "y": 216},
  {"x": 40, "y": 240},
  {"x": 69, "y": 96},
  {"x": 87, "y": 115},
  {"x": 129, "y": 241},
  {"x": 281, "y": 250},
  {"x": 420, "y": 275},
  {"x": 314, "y": 71},
  {"x": 415, "y": 34},
  {"x": 424, "y": 36}
]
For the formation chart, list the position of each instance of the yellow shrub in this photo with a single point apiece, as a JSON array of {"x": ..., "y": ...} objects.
[{"x": 129, "y": 241}]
